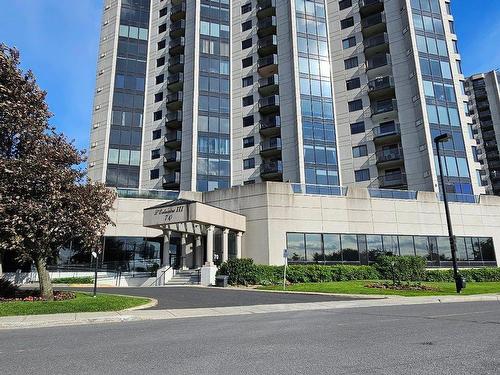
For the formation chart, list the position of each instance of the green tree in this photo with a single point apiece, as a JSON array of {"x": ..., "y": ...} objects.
[{"x": 45, "y": 198}]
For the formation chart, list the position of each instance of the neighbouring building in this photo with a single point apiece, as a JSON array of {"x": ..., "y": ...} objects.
[{"x": 484, "y": 107}]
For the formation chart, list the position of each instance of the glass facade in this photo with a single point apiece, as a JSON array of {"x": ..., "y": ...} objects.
[
  {"x": 440, "y": 98},
  {"x": 124, "y": 156},
  {"x": 214, "y": 155},
  {"x": 365, "y": 248},
  {"x": 316, "y": 103}
]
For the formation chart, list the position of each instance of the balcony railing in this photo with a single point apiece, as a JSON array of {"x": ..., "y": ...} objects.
[
  {"x": 386, "y": 130},
  {"x": 269, "y": 104},
  {"x": 267, "y": 45},
  {"x": 373, "y": 20},
  {"x": 378, "y": 61},
  {"x": 271, "y": 168},
  {"x": 266, "y": 8},
  {"x": 270, "y": 126},
  {"x": 267, "y": 26},
  {"x": 177, "y": 28},
  {"x": 267, "y": 61},
  {"x": 172, "y": 158},
  {"x": 392, "y": 180},
  {"x": 384, "y": 106},
  {"x": 176, "y": 63},
  {"x": 270, "y": 145},
  {"x": 269, "y": 85},
  {"x": 176, "y": 46},
  {"x": 173, "y": 137},
  {"x": 172, "y": 179},
  {"x": 367, "y": 7},
  {"x": 376, "y": 41},
  {"x": 174, "y": 97},
  {"x": 174, "y": 119},
  {"x": 380, "y": 84},
  {"x": 174, "y": 81},
  {"x": 389, "y": 155},
  {"x": 178, "y": 12}
]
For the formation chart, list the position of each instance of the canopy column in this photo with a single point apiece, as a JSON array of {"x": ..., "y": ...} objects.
[
  {"x": 238, "y": 245},
  {"x": 166, "y": 248},
  {"x": 225, "y": 245}
]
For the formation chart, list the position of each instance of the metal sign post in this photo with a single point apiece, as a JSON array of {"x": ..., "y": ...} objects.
[
  {"x": 285, "y": 255},
  {"x": 95, "y": 255}
]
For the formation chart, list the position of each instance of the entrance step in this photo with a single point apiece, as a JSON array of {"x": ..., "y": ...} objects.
[{"x": 185, "y": 277}]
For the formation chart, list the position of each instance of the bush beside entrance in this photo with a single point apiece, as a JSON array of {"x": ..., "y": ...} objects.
[{"x": 399, "y": 268}]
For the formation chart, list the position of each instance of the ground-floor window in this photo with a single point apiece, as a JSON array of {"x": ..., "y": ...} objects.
[{"x": 365, "y": 248}]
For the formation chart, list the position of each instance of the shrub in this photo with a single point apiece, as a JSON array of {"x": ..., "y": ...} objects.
[
  {"x": 240, "y": 271},
  {"x": 7, "y": 288},
  {"x": 471, "y": 275},
  {"x": 74, "y": 280},
  {"x": 244, "y": 272},
  {"x": 401, "y": 268}
]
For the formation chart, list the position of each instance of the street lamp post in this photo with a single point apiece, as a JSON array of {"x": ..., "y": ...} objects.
[{"x": 458, "y": 279}]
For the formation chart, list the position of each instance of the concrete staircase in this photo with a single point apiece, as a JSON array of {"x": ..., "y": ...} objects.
[{"x": 184, "y": 277}]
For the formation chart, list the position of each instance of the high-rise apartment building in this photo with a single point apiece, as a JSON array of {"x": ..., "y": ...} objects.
[
  {"x": 484, "y": 106},
  {"x": 204, "y": 95}
]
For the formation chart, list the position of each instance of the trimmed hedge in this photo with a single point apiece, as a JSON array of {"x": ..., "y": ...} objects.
[
  {"x": 470, "y": 275},
  {"x": 405, "y": 268},
  {"x": 245, "y": 272},
  {"x": 74, "y": 280}
]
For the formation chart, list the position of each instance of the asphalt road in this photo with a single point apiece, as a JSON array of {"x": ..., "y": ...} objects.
[
  {"x": 452, "y": 338},
  {"x": 197, "y": 297}
]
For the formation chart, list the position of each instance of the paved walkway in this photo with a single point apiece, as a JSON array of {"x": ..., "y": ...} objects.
[{"x": 141, "y": 315}]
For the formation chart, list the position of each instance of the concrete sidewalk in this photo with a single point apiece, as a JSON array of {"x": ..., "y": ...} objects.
[{"x": 37, "y": 321}]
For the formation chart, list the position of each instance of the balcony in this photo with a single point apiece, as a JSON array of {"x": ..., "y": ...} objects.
[
  {"x": 269, "y": 86},
  {"x": 272, "y": 170},
  {"x": 174, "y": 120},
  {"x": 176, "y": 64},
  {"x": 486, "y": 125},
  {"x": 270, "y": 104},
  {"x": 381, "y": 87},
  {"x": 173, "y": 139},
  {"x": 178, "y": 12},
  {"x": 495, "y": 175},
  {"x": 368, "y": 7},
  {"x": 488, "y": 135},
  {"x": 490, "y": 145},
  {"x": 270, "y": 126},
  {"x": 268, "y": 65},
  {"x": 387, "y": 132},
  {"x": 384, "y": 109},
  {"x": 175, "y": 81},
  {"x": 376, "y": 44},
  {"x": 266, "y": 26},
  {"x": 177, "y": 28},
  {"x": 172, "y": 180},
  {"x": 373, "y": 25},
  {"x": 389, "y": 156},
  {"x": 378, "y": 64},
  {"x": 267, "y": 45},
  {"x": 480, "y": 93},
  {"x": 482, "y": 105},
  {"x": 393, "y": 181},
  {"x": 266, "y": 8},
  {"x": 176, "y": 46},
  {"x": 493, "y": 164},
  {"x": 492, "y": 155},
  {"x": 174, "y": 100},
  {"x": 172, "y": 159},
  {"x": 270, "y": 147}
]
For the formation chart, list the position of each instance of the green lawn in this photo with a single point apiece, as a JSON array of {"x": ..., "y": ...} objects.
[
  {"x": 358, "y": 287},
  {"x": 83, "y": 302}
]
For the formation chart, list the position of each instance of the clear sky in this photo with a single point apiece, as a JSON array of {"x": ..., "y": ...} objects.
[{"x": 58, "y": 40}]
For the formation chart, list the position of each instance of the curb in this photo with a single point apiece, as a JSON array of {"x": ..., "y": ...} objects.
[
  {"x": 139, "y": 314},
  {"x": 152, "y": 303}
]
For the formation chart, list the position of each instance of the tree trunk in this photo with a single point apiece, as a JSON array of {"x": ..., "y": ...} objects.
[{"x": 46, "y": 290}]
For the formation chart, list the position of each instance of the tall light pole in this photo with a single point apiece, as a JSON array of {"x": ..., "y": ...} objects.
[{"x": 453, "y": 244}]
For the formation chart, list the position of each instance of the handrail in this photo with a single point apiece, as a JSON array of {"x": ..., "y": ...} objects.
[{"x": 155, "y": 282}]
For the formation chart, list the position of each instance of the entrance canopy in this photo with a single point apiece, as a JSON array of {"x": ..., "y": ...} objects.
[{"x": 187, "y": 216}]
